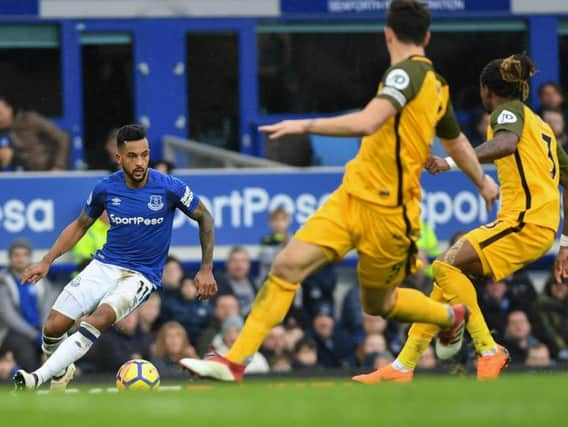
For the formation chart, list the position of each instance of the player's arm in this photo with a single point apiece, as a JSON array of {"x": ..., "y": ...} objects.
[
  {"x": 503, "y": 144},
  {"x": 204, "y": 280},
  {"x": 561, "y": 262},
  {"x": 361, "y": 123},
  {"x": 66, "y": 240}
]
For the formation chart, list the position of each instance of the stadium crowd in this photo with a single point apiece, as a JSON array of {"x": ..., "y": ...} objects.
[{"x": 321, "y": 330}]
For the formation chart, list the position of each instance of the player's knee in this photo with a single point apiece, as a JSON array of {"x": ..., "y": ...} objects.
[
  {"x": 377, "y": 307},
  {"x": 287, "y": 268},
  {"x": 56, "y": 325},
  {"x": 103, "y": 318}
]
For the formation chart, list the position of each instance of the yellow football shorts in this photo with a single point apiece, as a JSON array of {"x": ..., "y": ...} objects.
[
  {"x": 387, "y": 251},
  {"x": 504, "y": 246}
]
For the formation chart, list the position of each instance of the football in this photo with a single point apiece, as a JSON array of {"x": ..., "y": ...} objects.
[{"x": 137, "y": 375}]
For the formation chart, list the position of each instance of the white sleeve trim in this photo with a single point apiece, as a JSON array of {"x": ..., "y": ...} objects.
[{"x": 397, "y": 95}]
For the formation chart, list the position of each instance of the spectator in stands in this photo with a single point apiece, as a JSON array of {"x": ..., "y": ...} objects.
[
  {"x": 495, "y": 306},
  {"x": 428, "y": 359},
  {"x": 383, "y": 359},
  {"x": 518, "y": 338},
  {"x": 352, "y": 314},
  {"x": 556, "y": 121},
  {"x": 389, "y": 329},
  {"x": 367, "y": 352},
  {"x": 305, "y": 354},
  {"x": 553, "y": 310},
  {"x": 38, "y": 144},
  {"x": 479, "y": 125},
  {"x": 6, "y": 152},
  {"x": 292, "y": 336},
  {"x": 163, "y": 166},
  {"x": 8, "y": 365},
  {"x": 111, "y": 149},
  {"x": 93, "y": 240},
  {"x": 271, "y": 244},
  {"x": 23, "y": 308},
  {"x": 225, "y": 307},
  {"x": 280, "y": 363},
  {"x": 551, "y": 98},
  {"x": 334, "y": 346},
  {"x": 538, "y": 357},
  {"x": 275, "y": 343},
  {"x": 149, "y": 313},
  {"x": 172, "y": 345},
  {"x": 124, "y": 341},
  {"x": 318, "y": 289},
  {"x": 237, "y": 281},
  {"x": 229, "y": 332},
  {"x": 171, "y": 284},
  {"x": 193, "y": 314}
]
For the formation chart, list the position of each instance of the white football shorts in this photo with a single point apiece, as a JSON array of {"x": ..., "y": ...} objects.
[{"x": 99, "y": 283}]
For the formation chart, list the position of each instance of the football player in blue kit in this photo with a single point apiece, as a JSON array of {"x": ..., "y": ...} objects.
[{"x": 141, "y": 203}]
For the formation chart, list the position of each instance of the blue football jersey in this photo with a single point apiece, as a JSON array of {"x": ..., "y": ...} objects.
[{"x": 140, "y": 220}]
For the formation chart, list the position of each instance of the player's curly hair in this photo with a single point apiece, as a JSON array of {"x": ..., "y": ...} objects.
[{"x": 508, "y": 77}]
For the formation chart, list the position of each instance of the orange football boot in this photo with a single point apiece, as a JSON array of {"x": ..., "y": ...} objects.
[
  {"x": 387, "y": 374},
  {"x": 489, "y": 367}
]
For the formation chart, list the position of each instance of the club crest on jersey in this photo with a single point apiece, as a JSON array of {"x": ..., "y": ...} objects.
[
  {"x": 155, "y": 203},
  {"x": 506, "y": 117}
]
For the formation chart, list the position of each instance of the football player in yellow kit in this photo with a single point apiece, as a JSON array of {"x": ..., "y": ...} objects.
[
  {"x": 525, "y": 152},
  {"x": 376, "y": 210}
]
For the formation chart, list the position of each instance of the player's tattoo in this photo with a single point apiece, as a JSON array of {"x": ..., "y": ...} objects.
[
  {"x": 206, "y": 232},
  {"x": 450, "y": 255},
  {"x": 84, "y": 220}
]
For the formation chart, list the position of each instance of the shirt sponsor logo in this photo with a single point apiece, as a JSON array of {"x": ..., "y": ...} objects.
[
  {"x": 187, "y": 197},
  {"x": 155, "y": 203},
  {"x": 506, "y": 117},
  {"x": 135, "y": 220}
]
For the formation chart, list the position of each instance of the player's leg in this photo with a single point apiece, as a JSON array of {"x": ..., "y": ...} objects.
[
  {"x": 322, "y": 239},
  {"x": 297, "y": 261},
  {"x": 79, "y": 297}
]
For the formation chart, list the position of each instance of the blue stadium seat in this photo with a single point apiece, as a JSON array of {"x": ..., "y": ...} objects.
[{"x": 332, "y": 151}]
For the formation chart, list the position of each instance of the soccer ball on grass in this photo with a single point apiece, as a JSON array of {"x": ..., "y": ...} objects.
[{"x": 137, "y": 375}]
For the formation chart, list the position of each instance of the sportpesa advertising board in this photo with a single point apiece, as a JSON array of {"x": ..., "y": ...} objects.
[{"x": 38, "y": 207}]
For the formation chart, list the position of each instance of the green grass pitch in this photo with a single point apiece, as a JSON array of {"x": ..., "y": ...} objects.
[{"x": 515, "y": 400}]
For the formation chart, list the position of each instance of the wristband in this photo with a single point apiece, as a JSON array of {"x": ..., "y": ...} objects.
[
  {"x": 451, "y": 163},
  {"x": 564, "y": 241}
]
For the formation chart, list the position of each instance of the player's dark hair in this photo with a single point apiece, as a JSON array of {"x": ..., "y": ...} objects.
[
  {"x": 509, "y": 77},
  {"x": 543, "y": 86},
  {"x": 130, "y": 133},
  {"x": 410, "y": 21},
  {"x": 6, "y": 99}
]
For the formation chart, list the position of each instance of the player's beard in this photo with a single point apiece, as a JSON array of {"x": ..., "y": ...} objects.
[{"x": 141, "y": 176}]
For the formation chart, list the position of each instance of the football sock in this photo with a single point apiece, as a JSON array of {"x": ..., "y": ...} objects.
[
  {"x": 413, "y": 306},
  {"x": 50, "y": 344},
  {"x": 458, "y": 289},
  {"x": 419, "y": 337},
  {"x": 268, "y": 310},
  {"x": 70, "y": 350}
]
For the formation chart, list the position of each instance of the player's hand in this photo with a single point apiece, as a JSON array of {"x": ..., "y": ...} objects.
[
  {"x": 561, "y": 265},
  {"x": 286, "y": 127},
  {"x": 35, "y": 272},
  {"x": 489, "y": 190},
  {"x": 205, "y": 284},
  {"x": 436, "y": 164}
]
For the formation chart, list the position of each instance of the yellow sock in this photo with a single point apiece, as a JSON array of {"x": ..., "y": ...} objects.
[
  {"x": 269, "y": 308},
  {"x": 419, "y": 337},
  {"x": 413, "y": 306},
  {"x": 458, "y": 289}
]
